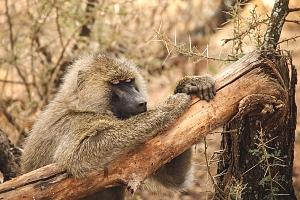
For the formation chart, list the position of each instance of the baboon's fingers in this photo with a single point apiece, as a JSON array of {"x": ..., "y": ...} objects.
[
  {"x": 192, "y": 89},
  {"x": 206, "y": 94},
  {"x": 200, "y": 93},
  {"x": 212, "y": 92}
]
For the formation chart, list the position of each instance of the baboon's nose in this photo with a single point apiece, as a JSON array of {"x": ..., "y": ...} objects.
[{"x": 142, "y": 106}]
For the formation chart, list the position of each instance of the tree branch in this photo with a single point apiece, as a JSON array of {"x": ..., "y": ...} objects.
[
  {"x": 294, "y": 9},
  {"x": 277, "y": 19}
]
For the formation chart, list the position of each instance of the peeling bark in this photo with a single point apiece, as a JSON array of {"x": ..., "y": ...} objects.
[{"x": 258, "y": 142}]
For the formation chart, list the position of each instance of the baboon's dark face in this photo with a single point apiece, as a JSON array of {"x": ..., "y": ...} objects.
[{"x": 126, "y": 99}]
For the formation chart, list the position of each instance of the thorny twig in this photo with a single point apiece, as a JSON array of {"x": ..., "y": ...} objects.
[
  {"x": 188, "y": 52},
  {"x": 294, "y": 9},
  {"x": 293, "y": 21},
  {"x": 288, "y": 39}
]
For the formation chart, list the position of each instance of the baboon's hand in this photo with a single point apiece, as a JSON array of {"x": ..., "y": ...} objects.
[{"x": 203, "y": 86}]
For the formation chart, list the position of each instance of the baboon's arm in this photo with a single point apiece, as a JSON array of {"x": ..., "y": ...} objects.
[{"x": 90, "y": 148}]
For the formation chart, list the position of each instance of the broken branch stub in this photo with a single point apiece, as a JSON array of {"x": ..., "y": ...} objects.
[{"x": 258, "y": 143}]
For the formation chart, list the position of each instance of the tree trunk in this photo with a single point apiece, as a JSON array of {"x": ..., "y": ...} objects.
[
  {"x": 258, "y": 142},
  {"x": 251, "y": 75}
]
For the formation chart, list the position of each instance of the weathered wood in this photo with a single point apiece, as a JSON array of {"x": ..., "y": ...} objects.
[
  {"x": 259, "y": 142},
  {"x": 245, "y": 77}
]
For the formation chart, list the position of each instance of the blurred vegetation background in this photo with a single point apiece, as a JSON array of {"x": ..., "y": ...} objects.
[
  {"x": 40, "y": 38},
  {"x": 167, "y": 39}
]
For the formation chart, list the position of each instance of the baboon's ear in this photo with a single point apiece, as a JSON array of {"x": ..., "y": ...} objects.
[{"x": 80, "y": 79}]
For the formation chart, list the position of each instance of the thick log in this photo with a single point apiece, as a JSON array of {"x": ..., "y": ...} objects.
[{"x": 250, "y": 75}]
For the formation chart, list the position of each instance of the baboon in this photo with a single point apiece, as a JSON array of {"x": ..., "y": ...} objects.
[{"x": 100, "y": 112}]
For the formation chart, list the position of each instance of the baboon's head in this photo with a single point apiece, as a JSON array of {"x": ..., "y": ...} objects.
[{"x": 107, "y": 84}]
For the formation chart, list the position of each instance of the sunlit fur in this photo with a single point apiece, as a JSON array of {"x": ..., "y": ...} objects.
[{"x": 78, "y": 130}]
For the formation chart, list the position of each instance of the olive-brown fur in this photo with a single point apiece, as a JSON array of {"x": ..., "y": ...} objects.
[{"x": 79, "y": 131}]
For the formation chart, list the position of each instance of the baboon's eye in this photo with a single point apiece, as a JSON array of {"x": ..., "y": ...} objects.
[
  {"x": 115, "y": 82},
  {"x": 128, "y": 80}
]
